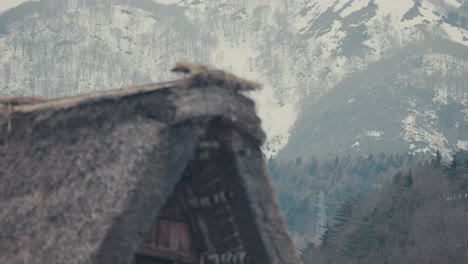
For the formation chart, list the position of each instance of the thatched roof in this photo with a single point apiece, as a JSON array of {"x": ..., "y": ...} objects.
[{"x": 83, "y": 178}]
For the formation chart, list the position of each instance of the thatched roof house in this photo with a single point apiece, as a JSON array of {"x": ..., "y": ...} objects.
[{"x": 149, "y": 174}]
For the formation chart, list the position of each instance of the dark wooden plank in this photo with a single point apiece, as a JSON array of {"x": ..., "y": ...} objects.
[
  {"x": 185, "y": 239},
  {"x": 151, "y": 237},
  {"x": 164, "y": 234},
  {"x": 174, "y": 236}
]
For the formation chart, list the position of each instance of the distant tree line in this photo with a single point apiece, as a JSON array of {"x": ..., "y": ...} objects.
[
  {"x": 298, "y": 182},
  {"x": 410, "y": 220}
]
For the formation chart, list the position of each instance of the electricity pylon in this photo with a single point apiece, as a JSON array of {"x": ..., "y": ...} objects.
[{"x": 321, "y": 217}]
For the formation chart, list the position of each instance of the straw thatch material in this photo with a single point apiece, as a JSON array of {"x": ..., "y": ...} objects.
[{"x": 82, "y": 178}]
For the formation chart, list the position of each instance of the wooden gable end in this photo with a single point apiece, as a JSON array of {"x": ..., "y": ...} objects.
[
  {"x": 170, "y": 237},
  {"x": 206, "y": 219}
]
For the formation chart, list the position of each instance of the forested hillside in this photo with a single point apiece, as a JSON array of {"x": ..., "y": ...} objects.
[
  {"x": 419, "y": 217},
  {"x": 299, "y": 181}
]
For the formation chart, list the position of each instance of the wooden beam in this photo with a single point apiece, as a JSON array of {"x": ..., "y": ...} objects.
[
  {"x": 182, "y": 257},
  {"x": 170, "y": 215}
]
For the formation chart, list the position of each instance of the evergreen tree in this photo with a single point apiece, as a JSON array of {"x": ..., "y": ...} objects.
[
  {"x": 437, "y": 160},
  {"x": 345, "y": 211},
  {"x": 409, "y": 180},
  {"x": 298, "y": 162},
  {"x": 454, "y": 163},
  {"x": 398, "y": 178},
  {"x": 337, "y": 161},
  {"x": 313, "y": 164}
]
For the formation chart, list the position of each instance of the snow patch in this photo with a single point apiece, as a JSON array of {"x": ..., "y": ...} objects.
[
  {"x": 429, "y": 12},
  {"x": 375, "y": 134},
  {"x": 456, "y": 34},
  {"x": 466, "y": 114},
  {"x": 355, "y": 145},
  {"x": 277, "y": 119},
  {"x": 441, "y": 96},
  {"x": 431, "y": 114},
  {"x": 425, "y": 150},
  {"x": 394, "y": 8},
  {"x": 453, "y": 3},
  {"x": 355, "y": 6},
  {"x": 167, "y": 2},
  {"x": 413, "y": 132},
  {"x": 462, "y": 144}
]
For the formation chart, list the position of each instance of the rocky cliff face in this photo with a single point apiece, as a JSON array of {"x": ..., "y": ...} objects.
[{"x": 325, "y": 64}]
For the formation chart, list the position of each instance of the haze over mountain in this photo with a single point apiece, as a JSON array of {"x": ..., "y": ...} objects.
[{"x": 341, "y": 76}]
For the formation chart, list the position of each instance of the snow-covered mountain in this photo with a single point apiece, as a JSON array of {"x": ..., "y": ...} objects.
[
  {"x": 414, "y": 101},
  {"x": 399, "y": 78},
  {"x": 304, "y": 51}
]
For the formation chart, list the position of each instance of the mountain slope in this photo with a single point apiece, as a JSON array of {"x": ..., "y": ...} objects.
[
  {"x": 58, "y": 48},
  {"x": 414, "y": 101}
]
